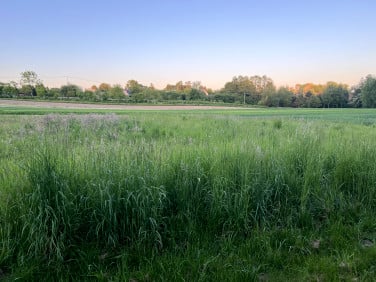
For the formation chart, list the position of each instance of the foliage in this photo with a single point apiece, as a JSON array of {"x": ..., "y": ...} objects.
[
  {"x": 262, "y": 83},
  {"x": 240, "y": 87},
  {"x": 223, "y": 97},
  {"x": 335, "y": 95},
  {"x": 8, "y": 90},
  {"x": 195, "y": 94},
  {"x": 253, "y": 90},
  {"x": 29, "y": 80},
  {"x": 312, "y": 101},
  {"x": 311, "y": 88},
  {"x": 53, "y": 93},
  {"x": 250, "y": 90},
  {"x": 146, "y": 95},
  {"x": 284, "y": 96},
  {"x": 368, "y": 92},
  {"x": 28, "y": 90},
  {"x": 70, "y": 90},
  {"x": 105, "y": 87},
  {"x": 88, "y": 95},
  {"x": 116, "y": 92},
  {"x": 281, "y": 98},
  {"x": 40, "y": 90},
  {"x": 355, "y": 99},
  {"x": 182, "y": 87},
  {"x": 134, "y": 87},
  {"x": 171, "y": 95}
]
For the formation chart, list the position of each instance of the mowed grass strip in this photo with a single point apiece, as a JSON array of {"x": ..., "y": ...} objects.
[{"x": 366, "y": 116}]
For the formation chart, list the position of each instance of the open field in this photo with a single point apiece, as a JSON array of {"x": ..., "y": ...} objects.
[
  {"x": 97, "y": 106},
  {"x": 206, "y": 195},
  {"x": 19, "y": 107}
]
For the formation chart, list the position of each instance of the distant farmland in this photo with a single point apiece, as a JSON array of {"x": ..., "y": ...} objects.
[{"x": 98, "y": 106}]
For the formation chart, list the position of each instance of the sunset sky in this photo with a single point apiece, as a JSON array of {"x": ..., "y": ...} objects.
[{"x": 165, "y": 41}]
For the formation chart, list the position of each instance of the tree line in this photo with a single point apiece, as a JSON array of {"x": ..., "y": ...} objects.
[{"x": 252, "y": 90}]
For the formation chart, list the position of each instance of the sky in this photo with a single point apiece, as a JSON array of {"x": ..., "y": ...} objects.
[{"x": 165, "y": 41}]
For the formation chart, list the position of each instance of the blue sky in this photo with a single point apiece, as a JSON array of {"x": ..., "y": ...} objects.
[{"x": 165, "y": 41}]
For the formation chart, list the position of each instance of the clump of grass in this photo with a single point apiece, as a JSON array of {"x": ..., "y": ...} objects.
[{"x": 277, "y": 124}]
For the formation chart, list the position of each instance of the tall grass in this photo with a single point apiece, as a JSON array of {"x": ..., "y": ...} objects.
[{"x": 157, "y": 182}]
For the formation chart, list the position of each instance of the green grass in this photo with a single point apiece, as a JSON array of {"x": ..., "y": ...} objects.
[
  {"x": 366, "y": 116},
  {"x": 254, "y": 194}
]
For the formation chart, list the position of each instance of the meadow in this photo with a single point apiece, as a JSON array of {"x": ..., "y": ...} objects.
[{"x": 206, "y": 195}]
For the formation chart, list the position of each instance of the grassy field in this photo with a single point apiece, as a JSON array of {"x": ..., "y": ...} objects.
[{"x": 208, "y": 195}]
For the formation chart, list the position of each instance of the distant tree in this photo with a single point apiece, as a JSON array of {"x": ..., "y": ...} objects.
[
  {"x": 87, "y": 95},
  {"x": 355, "y": 99},
  {"x": 104, "y": 87},
  {"x": 335, "y": 95},
  {"x": 13, "y": 84},
  {"x": 134, "y": 87},
  {"x": 250, "y": 89},
  {"x": 179, "y": 86},
  {"x": 53, "y": 93},
  {"x": 314, "y": 102},
  {"x": 261, "y": 83},
  {"x": 116, "y": 92},
  {"x": 281, "y": 98},
  {"x": 40, "y": 90},
  {"x": 239, "y": 85},
  {"x": 170, "y": 95},
  {"x": 169, "y": 87},
  {"x": 8, "y": 90},
  {"x": 270, "y": 101},
  {"x": 196, "y": 94},
  {"x": 183, "y": 87},
  {"x": 29, "y": 80},
  {"x": 243, "y": 89},
  {"x": 298, "y": 101},
  {"x": 28, "y": 90},
  {"x": 268, "y": 92},
  {"x": 223, "y": 97},
  {"x": 368, "y": 92},
  {"x": 103, "y": 91},
  {"x": 196, "y": 85},
  {"x": 70, "y": 90},
  {"x": 285, "y": 96},
  {"x": 151, "y": 95},
  {"x": 314, "y": 89},
  {"x": 185, "y": 91}
]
